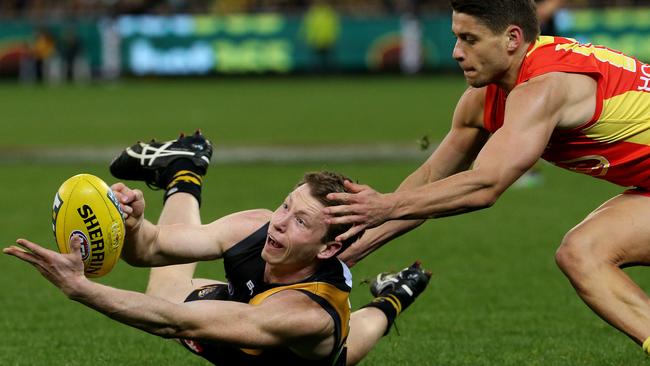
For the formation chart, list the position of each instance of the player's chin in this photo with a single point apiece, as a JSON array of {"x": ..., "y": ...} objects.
[
  {"x": 476, "y": 83},
  {"x": 272, "y": 255}
]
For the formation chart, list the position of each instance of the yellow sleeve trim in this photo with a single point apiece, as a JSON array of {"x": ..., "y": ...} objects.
[{"x": 541, "y": 41}]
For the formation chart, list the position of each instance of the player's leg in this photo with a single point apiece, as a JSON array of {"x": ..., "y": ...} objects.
[
  {"x": 592, "y": 255},
  {"x": 367, "y": 326},
  {"x": 394, "y": 292},
  {"x": 178, "y": 167},
  {"x": 173, "y": 283}
]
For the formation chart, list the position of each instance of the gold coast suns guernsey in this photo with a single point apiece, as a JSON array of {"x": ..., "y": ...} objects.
[
  {"x": 329, "y": 287},
  {"x": 615, "y": 144}
]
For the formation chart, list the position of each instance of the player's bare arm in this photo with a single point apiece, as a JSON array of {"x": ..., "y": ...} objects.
[
  {"x": 152, "y": 245},
  {"x": 287, "y": 318},
  {"x": 454, "y": 154},
  {"x": 161, "y": 245},
  {"x": 534, "y": 109},
  {"x": 459, "y": 148}
]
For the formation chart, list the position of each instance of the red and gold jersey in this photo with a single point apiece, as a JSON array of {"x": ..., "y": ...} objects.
[{"x": 615, "y": 144}]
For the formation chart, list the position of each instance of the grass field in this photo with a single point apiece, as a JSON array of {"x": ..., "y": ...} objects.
[
  {"x": 233, "y": 111},
  {"x": 497, "y": 297}
]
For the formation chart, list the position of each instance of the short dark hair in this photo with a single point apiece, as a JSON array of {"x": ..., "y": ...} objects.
[
  {"x": 497, "y": 15},
  {"x": 320, "y": 185}
]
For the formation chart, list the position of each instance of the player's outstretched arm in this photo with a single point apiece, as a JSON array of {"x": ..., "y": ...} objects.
[
  {"x": 152, "y": 245},
  {"x": 508, "y": 154},
  {"x": 183, "y": 243},
  {"x": 288, "y": 318},
  {"x": 455, "y": 153}
]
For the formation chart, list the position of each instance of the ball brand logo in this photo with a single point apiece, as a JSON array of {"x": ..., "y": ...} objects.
[
  {"x": 96, "y": 238},
  {"x": 85, "y": 245}
]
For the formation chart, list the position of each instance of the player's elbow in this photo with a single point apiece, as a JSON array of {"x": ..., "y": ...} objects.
[
  {"x": 135, "y": 262},
  {"x": 135, "y": 259},
  {"x": 129, "y": 256},
  {"x": 141, "y": 253},
  {"x": 485, "y": 198},
  {"x": 488, "y": 192}
]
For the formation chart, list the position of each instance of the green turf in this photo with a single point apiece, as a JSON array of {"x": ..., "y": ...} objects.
[
  {"x": 232, "y": 111},
  {"x": 497, "y": 297}
]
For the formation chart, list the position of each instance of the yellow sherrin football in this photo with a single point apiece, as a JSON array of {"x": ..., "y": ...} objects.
[{"x": 85, "y": 206}]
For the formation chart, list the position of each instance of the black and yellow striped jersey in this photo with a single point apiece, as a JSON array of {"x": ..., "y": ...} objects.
[{"x": 329, "y": 287}]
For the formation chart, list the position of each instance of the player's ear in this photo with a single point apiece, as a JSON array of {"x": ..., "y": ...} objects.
[
  {"x": 329, "y": 250},
  {"x": 515, "y": 37}
]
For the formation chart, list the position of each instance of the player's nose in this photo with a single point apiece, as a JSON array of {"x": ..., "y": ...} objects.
[
  {"x": 279, "y": 222},
  {"x": 458, "y": 53}
]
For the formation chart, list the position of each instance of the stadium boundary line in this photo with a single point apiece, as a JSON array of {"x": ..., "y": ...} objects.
[{"x": 231, "y": 154}]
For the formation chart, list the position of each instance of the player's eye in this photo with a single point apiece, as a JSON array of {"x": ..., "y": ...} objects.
[
  {"x": 285, "y": 206},
  {"x": 300, "y": 221},
  {"x": 469, "y": 39}
]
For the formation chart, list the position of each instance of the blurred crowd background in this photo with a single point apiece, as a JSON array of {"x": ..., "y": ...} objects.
[
  {"x": 97, "y": 8},
  {"x": 55, "y": 41}
]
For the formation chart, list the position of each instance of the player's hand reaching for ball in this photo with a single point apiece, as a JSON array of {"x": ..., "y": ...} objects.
[
  {"x": 132, "y": 204},
  {"x": 65, "y": 271},
  {"x": 363, "y": 206}
]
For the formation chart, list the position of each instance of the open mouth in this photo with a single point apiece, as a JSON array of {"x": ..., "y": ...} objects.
[{"x": 273, "y": 243}]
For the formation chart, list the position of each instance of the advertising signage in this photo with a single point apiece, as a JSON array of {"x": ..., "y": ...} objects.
[
  {"x": 262, "y": 43},
  {"x": 623, "y": 29}
]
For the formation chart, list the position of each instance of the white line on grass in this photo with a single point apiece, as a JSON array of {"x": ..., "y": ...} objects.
[{"x": 234, "y": 154}]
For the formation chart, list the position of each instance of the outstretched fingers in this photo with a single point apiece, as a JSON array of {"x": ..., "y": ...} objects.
[
  {"x": 34, "y": 248},
  {"x": 342, "y": 197},
  {"x": 354, "y": 187},
  {"x": 30, "y": 252},
  {"x": 339, "y": 211},
  {"x": 351, "y": 194},
  {"x": 344, "y": 217},
  {"x": 354, "y": 230}
]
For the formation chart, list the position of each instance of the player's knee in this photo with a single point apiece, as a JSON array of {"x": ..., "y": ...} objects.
[{"x": 575, "y": 256}]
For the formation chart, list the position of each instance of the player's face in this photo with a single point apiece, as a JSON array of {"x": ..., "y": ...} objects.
[
  {"x": 296, "y": 229},
  {"x": 480, "y": 53}
]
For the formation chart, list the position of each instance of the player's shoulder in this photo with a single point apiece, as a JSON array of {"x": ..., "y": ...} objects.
[
  {"x": 469, "y": 110},
  {"x": 254, "y": 217},
  {"x": 237, "y": 226},
  {"x": 249, "y": 217},
  {"x": 556, "y": 85}
]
